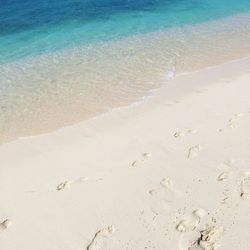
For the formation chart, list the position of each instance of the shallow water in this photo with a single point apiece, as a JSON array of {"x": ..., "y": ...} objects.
[{"x": 62, "y": 62}]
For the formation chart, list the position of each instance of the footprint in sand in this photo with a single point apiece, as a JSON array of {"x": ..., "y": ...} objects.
[
  {"x": 166, "y": 182},
  {"x": 141, "y": 161},
  {"x": 197, "y": 234},
  {"x": 224, "y": 176},
  {"x": 5, "y": 224},
  {"x": 245, "y": 186},
  {"x": 242, "y": 178},
  {"x": 232, "y": 122},
  {"x": 191, "y": 223},
  {"x": 163, "y": 196},
  {"x": 100, "y": 238},
  {"x": 63, "y": 185},
  {"x": 67, "y": 184},
  {"x": 182, "y": 133},
  {"x": 244, "y": 182},
  {"x": 207, "y": 239},
  {"x": 194, "y": 151},
  {"x": 227, "y": 192}
]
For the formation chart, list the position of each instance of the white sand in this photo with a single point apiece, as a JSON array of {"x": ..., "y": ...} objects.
[{"x": 170, "y": 173}]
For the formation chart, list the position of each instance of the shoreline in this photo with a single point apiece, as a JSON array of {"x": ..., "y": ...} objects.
[
  {"x": 67, "y": 88},
  {"x": 140, "y": 101},
  {"x": 149, "y": 94},
  {"x": 170, "y": 173}
]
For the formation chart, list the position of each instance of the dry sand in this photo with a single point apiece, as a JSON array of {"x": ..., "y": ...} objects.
[{"x": 170, "y": 173}]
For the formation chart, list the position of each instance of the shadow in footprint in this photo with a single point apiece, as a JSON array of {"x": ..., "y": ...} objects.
[{"x": 100, "y": 238}]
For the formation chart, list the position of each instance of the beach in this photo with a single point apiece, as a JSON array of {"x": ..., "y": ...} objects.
[{"x": 169, "y": 172}]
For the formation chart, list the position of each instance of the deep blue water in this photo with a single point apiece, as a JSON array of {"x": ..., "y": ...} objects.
[{"x": 32, "y": 27}]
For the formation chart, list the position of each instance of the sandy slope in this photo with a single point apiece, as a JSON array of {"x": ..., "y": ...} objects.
[{"x": 171, "y": 173}]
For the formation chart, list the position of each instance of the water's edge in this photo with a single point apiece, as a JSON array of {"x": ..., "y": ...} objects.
[
  {"x": 144, "y": 99},
  {"x": 61, "y": 89}
]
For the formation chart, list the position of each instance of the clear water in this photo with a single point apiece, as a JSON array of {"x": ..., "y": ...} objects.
[
  {"x": 64, "y": 61},
  {"x": 33, "y": 27}
]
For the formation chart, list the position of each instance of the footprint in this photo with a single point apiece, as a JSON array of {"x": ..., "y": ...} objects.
[
  {"x": 5, "y": 224},
  {"x": 242, "y": 178},
  {"x": 226, "y": 195},
  {"x": 192, "y": 222},
  {"x": 145, "y": 157},
  {"x": 208, "y": 239},
  {"x": 67, "y": 184},
  {"x": 165, "y": 185},
  {"x": 63, "y": 185},
  {"x": 227, "y": 177},
  {"x": 194, "y": 151},
  {"x": 179, "y": 134},
  {"x": 183, "y": 133},
  {"x": 204, "y": 236},
  {"x": 162, "y": 196},
  {"x": 232, "y": 122},
  {"x": 245, "y": 186},
  {"x": 166, "y": 182},
  {"x": 100, "y": 238},
  {"x": 160, "y": 204},
  {"x": 224, "y": 176}
]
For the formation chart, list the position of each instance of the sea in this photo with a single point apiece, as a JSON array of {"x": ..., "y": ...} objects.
[{"x": 65, "y": 61}]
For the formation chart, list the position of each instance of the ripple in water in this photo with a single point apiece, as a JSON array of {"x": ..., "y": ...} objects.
[{"x": 60, "y": 88}]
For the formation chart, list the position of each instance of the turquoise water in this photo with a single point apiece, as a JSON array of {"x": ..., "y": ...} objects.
[
  {"x": 34, "y": 27},
  {"x": 65, "y": 61}
]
